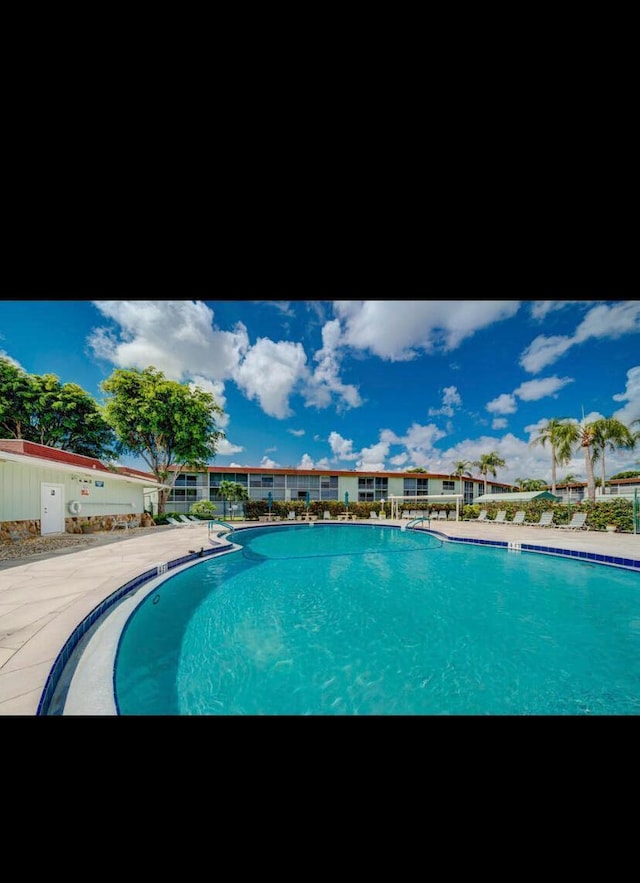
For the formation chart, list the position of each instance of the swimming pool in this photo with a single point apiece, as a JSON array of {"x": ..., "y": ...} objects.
[{"x": 373, "y": 620}]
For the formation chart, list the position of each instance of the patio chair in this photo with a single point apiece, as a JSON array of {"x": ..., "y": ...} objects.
[
  {"x": 576, "y": 523},
  {"x": 500, "y": 517},
  {"x": 518, "y": 518},
  {"x": 406, "y": 514},
  {"x": 326, "y": 515},
  {"x": 291, "y": 515},
  {"x": 176, "y": 523},
  {"x": 546, "y": 520},
  {"x": 373, "y": 514},
  {"x": 452, "y": 515},
  {"x": 442, "y": 515},
  {"x": 482, "y": 516}
]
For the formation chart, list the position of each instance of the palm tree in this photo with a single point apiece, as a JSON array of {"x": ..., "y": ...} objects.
[
  {"x": 488, "y": 463},
  {"x": 581, "y": 434},
  {"x": 553, "y": 433},
  {"x": 232, "y": 491},
  {"x": 460, "y": 468},
  {"x": 611, "y": 434}
]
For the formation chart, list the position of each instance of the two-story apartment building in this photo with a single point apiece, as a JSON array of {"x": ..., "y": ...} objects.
[
  {"x": 323, "y": 485},
  {"x": 623, "y": 488}
]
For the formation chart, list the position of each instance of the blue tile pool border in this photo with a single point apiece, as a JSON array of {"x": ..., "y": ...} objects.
[
  {"x": 99, "y": 611},
  {"x": 594, "y": 557}
]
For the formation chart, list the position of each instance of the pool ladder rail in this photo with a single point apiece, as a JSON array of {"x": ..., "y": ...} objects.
[
  {"x": 219, "y": 522},
  {"x": 414, "y": 521}
]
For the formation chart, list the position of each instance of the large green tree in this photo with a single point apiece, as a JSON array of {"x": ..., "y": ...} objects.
[
  {"x": 15, "y": 407},
  {"x": 489, "y": 464},
  {"x": 165, "y": 423},
  {"x": 60, "y": 415},
  {"x": 554, "y": 433}
]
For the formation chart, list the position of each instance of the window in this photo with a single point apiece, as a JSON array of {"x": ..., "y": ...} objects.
[
  {"x": 181, "y": 495},
  {"x": 448, "y": 487}
]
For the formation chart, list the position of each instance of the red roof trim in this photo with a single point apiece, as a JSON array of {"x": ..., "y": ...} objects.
[{"x": 44, "y": 452}]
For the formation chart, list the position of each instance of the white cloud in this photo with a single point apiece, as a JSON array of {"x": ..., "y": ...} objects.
[
  {"x": 341, "y": 448},
  {"x": 543, "y": 351},
  {"x": 225, "y": 448},
  {"x": 499, "y": 423},
  {"x": 541, "y": 308},
  {"x": 267, "y": 463},
  {"x": 298, "y": 433},
  {"x": 372, "y": 459},
  {"x": 398, "y": 330},
  {"x": 631, "y": 396},
  {"x": 503, "y": 404},
  {"x": 270, "y": 372},
  {"x": 177, "y": 337},
  {"x": 533, "y": 390},
  {"x": 325, "y": 384},
  {"x": 305, "y": 462},
  {"x": 610, "y": 320},
  {"x": 450, "y": 398},
  {"x": 529, "y": 391}
]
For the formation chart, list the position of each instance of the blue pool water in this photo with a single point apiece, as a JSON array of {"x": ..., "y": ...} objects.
[{"x": 371, "y": 620}]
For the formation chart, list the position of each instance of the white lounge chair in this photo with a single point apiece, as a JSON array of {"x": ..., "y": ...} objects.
[
  {"x": 442, "y": 515},
  {"x": 482, "y": 516},
  {"x": 177, "y": 523},
  {"x": 326, "y": 514},
  {"x": 500, "y": 517},
  {"x": 576, "y": 523},
  {"x": 373, "y": 514},
  {"x": 546, "y": 520},
  {"x": 518, "y": 518}
]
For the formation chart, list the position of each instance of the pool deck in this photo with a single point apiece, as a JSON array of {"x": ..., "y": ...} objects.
[{"x": 45, "y": 597}]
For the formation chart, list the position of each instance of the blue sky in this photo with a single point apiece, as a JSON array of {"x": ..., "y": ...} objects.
[{"x": 355, "y": 384}]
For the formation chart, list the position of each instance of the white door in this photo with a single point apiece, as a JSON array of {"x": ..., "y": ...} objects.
[{"x": 51, "y": 509}]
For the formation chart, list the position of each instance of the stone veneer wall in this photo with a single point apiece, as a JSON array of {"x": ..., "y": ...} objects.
[{"x": 11, "y": 530}]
